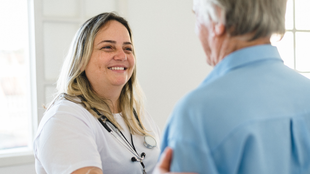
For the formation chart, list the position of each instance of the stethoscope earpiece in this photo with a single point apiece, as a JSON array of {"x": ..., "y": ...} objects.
[
  {"x": 133, "y": 159},
  {"x": 143, "y": 154}
]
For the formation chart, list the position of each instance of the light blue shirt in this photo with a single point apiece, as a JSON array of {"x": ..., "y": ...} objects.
[{"x": 251, "y": 115}]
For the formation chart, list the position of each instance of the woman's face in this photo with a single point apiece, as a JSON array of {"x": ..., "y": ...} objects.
[{"x": 112, "y": 60}]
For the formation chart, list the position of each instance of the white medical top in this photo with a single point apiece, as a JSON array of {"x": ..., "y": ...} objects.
[{"x": 69, "y": 138}]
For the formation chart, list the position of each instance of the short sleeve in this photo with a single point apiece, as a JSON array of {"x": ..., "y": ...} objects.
[
  {"x": 65, "y": 144},
  {"x": 190, "y": 152}
]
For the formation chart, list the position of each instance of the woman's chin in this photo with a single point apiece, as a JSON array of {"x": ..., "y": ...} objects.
[{"x": 120, "y": 83}]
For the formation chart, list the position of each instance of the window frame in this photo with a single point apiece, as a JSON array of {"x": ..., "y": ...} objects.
[
  {"x": 24, "y": 155},
  {"x": 38, "y": 82},
  {"x": 294, "y": 31}
]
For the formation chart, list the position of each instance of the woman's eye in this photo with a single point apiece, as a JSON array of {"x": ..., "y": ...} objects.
[
  {"x": 106, "y": 47},
  {"x": 128, "y": 49}
]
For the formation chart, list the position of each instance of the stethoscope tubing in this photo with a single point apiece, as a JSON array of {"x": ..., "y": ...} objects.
[{"x": 116, "y": 134}]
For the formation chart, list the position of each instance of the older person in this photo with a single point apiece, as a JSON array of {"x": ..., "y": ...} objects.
[
  {"x": 97, "y": 124},
  {"x": 252, "y": 113}
]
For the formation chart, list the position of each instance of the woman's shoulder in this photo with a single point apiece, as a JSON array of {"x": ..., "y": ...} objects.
[
  {"x": 68, "y": 111},
  {"x": 65, "y": 106}
]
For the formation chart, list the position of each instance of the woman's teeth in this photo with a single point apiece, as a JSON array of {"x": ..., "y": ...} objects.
[{"x": 117, "y": 68}]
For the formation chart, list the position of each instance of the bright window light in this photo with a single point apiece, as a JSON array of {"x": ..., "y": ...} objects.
[
  {"x": 293, "y": 47},
  {"x": 302, "y": 13},
  {"x": 286, "y": 49},
  {"x": 14, "y": 75}
]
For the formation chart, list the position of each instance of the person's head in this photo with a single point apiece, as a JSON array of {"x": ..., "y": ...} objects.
[
  {"x": 247, "y": 19},
  {"x": 112, "y": 61},
  {"x": 102, "y": 57},
  {"x": 84, "y": 47}
]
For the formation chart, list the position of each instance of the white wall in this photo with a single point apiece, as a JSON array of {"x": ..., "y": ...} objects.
[
  {"x": 170, "y": 59},
  {"x": 20, "y": 169},
  {"x": 169, "y": 56}
]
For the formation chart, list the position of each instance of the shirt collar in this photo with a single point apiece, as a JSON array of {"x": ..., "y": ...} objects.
[{"x": 243, "y": 57}]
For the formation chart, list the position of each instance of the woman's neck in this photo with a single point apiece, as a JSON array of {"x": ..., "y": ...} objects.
[{"x": 112, "y": 95}]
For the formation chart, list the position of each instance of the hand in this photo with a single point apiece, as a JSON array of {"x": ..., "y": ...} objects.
[
  {"x": 88, "y": 170},
  {"x": 163, "y": 166}
]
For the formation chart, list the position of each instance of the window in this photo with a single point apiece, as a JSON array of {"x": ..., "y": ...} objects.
[
  {"x": 294, "y": 47},
  {"x": 15, "y": 101}
]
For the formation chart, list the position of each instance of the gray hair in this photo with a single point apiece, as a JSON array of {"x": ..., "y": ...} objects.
[{"x": 261, "y": 17}]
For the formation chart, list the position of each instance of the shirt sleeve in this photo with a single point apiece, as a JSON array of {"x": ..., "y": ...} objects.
[
  {"x": 66, "y": 143},
  {"x": 190, "y": 149}
]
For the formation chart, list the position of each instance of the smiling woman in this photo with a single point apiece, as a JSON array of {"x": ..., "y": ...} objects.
[
  {"x": 97, "y": 123},
  {"x": 112, "y": 61}
]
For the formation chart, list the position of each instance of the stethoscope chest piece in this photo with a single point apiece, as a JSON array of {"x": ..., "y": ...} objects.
[{"x": 149, "y": 142}]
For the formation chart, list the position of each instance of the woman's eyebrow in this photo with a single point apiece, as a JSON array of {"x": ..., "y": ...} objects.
[
  {"x": 114, "y": 42},
  {"x": 109, "y": 41},
  {"x": 127, "y": 43}
]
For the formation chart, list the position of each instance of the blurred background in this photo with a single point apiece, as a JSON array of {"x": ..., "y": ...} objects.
[{"x": 35, "y": 36}]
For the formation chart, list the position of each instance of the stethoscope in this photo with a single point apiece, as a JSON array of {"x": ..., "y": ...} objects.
[{"x": 149, "y": 142}]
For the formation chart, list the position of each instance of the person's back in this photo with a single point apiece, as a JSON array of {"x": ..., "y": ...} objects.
[
  {"x": 250, "y": 117},
  {"x": 252, "y": 113}
]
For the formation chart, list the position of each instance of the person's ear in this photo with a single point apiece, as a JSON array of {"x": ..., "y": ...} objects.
[{"x": 219, "y": 29}]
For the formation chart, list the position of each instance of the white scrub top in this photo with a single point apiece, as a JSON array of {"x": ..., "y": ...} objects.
[{"x": 69, "y": 138}]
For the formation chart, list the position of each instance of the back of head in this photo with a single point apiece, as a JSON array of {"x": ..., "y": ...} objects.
[{"x": 262, "y": 18}]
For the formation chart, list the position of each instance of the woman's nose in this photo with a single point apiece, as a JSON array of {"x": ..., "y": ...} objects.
[{"x": 120, "y": 55}]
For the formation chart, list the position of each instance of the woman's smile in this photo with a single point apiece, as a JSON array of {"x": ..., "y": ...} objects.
[{"x": 117, "y": 68}]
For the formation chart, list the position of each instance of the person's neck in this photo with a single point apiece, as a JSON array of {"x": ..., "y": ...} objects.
[
  {"x": 232, "y": 44},
  {"x": 112, "y": 95}
]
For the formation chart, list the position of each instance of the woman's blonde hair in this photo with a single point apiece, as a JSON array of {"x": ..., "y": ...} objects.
[{"x": 73, "y": 83}]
